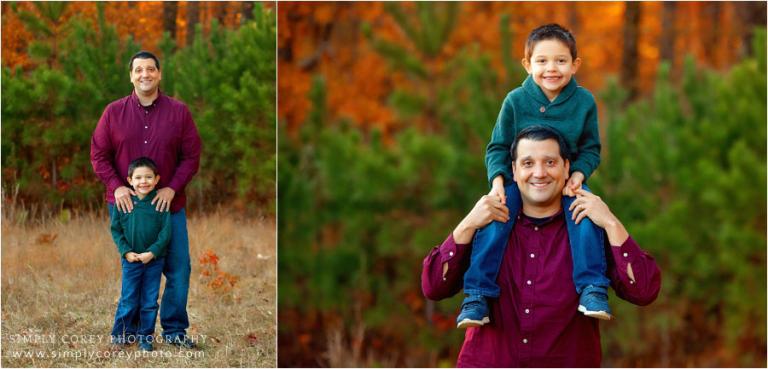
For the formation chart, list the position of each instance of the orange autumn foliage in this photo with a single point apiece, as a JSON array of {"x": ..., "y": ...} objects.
[{"x": 325, "y": 39}]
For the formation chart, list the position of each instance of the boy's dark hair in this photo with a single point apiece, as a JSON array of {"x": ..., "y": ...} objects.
[
  {"x": 143, "y": 55},
  {"x": 540, "y": 133},
  {"x": 141, "y": 162},
  {"x": 550, "y": 32}
]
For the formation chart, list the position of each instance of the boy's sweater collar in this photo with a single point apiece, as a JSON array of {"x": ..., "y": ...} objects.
[
  {"x": 149, "y": 196},
  {"x": 533, "y": 90}
]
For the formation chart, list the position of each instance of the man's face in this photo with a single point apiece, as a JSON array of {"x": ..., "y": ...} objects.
[
  {"x": 540, "y": 173},
  {"x": 145, "y": 76}
]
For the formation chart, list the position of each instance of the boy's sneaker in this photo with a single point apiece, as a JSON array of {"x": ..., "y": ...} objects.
[
  {"x": 594, "y": 303},
  {"x": 145, "y": 346},
  {"x": 474, "y": 312},
  {"x": 182, "y": 341}
]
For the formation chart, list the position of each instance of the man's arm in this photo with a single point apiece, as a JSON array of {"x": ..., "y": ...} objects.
[
  {"x": 189, "y": 158},
  {"x": 443, "y": 269},
  {"x": 102, "y": 160},
  {"x": 633, "y": 273}
]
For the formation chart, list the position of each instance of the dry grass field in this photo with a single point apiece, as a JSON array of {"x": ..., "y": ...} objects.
[{"x": 61, "y": 284}]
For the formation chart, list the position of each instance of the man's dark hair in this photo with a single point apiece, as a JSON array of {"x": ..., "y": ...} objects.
[
  {"x": 540, "y": 133},
  {"x": 143, "y": 55},
  {"x": 550, "y": 32},
  {"x": 141, "y": 162}
]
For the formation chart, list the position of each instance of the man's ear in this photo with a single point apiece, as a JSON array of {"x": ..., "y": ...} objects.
[{"x": 567, "y": 168}]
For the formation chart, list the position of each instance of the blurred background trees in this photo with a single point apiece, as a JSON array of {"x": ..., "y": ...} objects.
[
  {"x": 64, "y": 62},
  {"x": 383, "y": 121}
]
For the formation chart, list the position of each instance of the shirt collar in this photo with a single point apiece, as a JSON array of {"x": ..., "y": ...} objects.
[
  {"x": 149, "y": 196},
  {"x": 538, "y": 222},
  {"x": 533, "y": 90},
  {"x": 135, "y": 99}
]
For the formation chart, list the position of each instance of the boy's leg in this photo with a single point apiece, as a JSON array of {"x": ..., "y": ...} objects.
[
  {"x": 173, "y": 308},
  {"x": 150, "y": 289},
  {"x": 123, "y": 331},
  {"x": 132, "y": 325},
  {"x": 589, "y": 263},
  {"x": 487, "y": 252}
]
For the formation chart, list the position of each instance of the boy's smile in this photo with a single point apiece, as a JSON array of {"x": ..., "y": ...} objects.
[
  {"x": 551, "y": 66},
  {"x": 143, "y": 180}
]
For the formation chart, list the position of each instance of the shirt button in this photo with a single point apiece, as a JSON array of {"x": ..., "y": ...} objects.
[
  {"x": 525, "y": 340},
  {"x": 631, "y": 282},
  {"x": 533, "y": 256},
  {"x": 145, "y": 141},
  {"x": 445, "y": 279},
  {"x": 626, "y": 255},
  {"x": 529, "y": 282},
  {"x": 527, "y": 311},
  {"x": 146, "y": 126},
  {"x": 450, "y": 253},
  {"x": 542, "y": 109},
  {"x": 535, "y": 228}
]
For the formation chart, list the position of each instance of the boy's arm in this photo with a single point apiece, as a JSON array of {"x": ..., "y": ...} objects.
[
  {"x": 118, "y": 234},
  {"x": 164, "y": 237},
  {"x": 497, "y": 158},
  {"x": 589, "y": 145}
]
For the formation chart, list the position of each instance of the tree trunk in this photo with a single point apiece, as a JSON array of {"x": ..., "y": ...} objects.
[
  {"x": 749, "y": 15},
  {"x": 170, "y": 9},
  {"x": 711, "y": 16},
  {"x": 220, "y": 11},
  {"x": 667, "y": 41},
  {"x": 629, "y": 51},
  {"x": 193, "y": 17},
  {"x": 247, "y": 11}
]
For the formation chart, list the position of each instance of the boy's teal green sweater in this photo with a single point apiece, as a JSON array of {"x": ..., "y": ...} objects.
[
  {"x": 573, "y": 114},
  {"x": 143, "y": 229}
]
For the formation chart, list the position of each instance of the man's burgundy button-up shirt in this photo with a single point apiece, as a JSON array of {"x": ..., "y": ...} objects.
[
  {"x": 535, "y": 322},
  {"x": 163, "y": 131}
]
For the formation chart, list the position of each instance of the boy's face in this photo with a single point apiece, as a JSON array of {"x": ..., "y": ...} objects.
[
  {"x": 143, "y": 180},
  {"x": 551, "y": 66}
]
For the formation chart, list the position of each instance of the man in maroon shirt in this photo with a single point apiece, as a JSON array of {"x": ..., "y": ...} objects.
[
  {"x": 535, "y": 321},
  {"x": 151, "y": 124}
]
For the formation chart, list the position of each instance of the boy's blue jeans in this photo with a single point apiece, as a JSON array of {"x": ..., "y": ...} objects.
[
  {"x": 138, "y": 301},
  {"x": 177, "y": 270},
  {"x": 586, "y": 239}
]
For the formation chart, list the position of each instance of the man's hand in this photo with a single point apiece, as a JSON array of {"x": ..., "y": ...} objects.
[
  {"x": 131, "y": 257},
  {"x": 574, "y": 183},
  {"x": 123, "y": 199},
  {"x": 592, "y": 206},
  {"x": 486, "y": 210},
  {"x": 163, "y": 199},
  {"x": 497, "y": 189},
  {"x": 146, "y": 257}
]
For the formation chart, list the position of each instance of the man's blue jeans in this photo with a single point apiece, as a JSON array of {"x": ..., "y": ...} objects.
[
  {"x": 177, "y": 270},
  {"x": 138, "y": 301},
  {"x": 490, "y": 242}
]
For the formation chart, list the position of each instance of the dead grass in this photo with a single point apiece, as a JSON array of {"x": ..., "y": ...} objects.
[{"x": 61, "y": 283}]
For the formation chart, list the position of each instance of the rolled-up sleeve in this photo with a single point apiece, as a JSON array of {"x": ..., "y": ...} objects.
[
  {"x": 644, "y": 287},
  {"x": 438, "y": 283}
]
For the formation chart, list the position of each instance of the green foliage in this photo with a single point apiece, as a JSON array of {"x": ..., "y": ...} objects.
[
  {"x": 227, "y": 79},
  {"x": 688, "y": 167},
  {"x": 358, "y": 211},
  {"x": 685, "y": 169}
]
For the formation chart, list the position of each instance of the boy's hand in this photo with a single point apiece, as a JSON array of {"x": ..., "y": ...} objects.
[
  {"x": 574, "y": 183},
  {"x": 131, "y": 257},
  {"x": 146, "y": 257},
  {"x": 497, "y": 189}
]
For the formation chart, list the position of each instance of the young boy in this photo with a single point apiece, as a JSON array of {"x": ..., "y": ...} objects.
[
  {"x": 549, "y": 96},
  {"x": 141, "y": 237}
]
